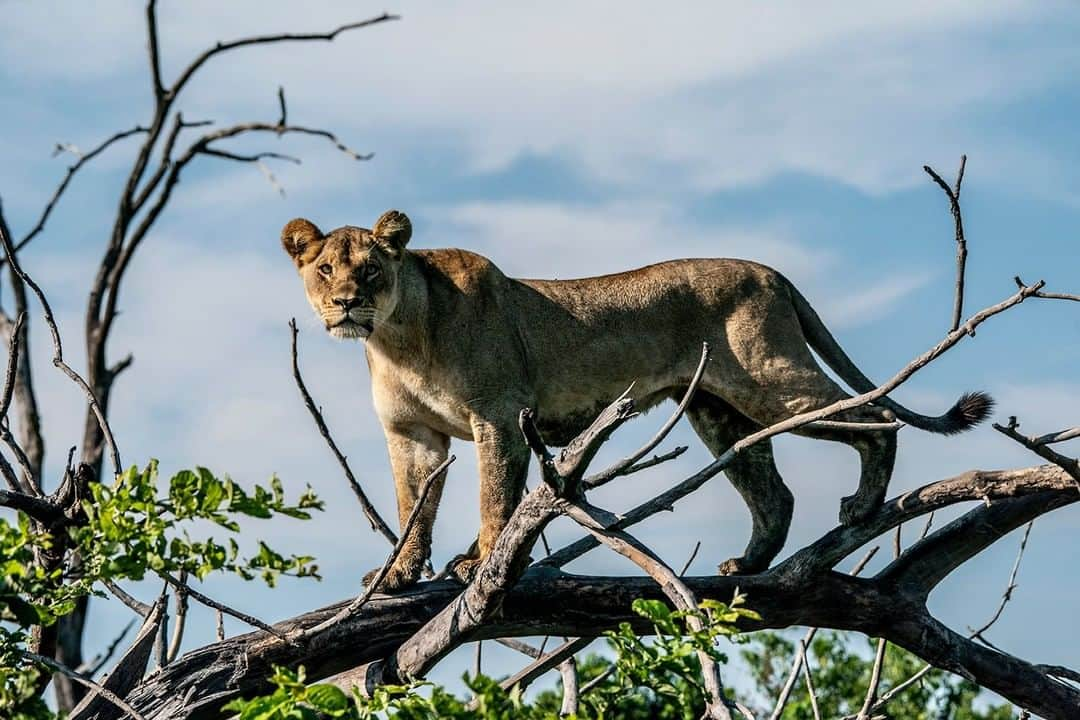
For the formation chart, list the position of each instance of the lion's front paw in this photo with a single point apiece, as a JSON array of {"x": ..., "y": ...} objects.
[
  {"x": 737, "y": 566},
  {"x": 463, "y": 568},
  {"x": 397, "y": 578}
]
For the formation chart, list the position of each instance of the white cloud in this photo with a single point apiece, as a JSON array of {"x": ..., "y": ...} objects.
[
  {"x": 701, "y": 97},
  {"x": 859, "y": 307}
]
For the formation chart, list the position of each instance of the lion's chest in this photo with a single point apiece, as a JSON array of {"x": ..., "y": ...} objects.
[{"x": 404, "y": 397}]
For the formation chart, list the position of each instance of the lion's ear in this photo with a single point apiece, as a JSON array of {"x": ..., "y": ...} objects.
[
  {"x": 302, "y": 241},
  {"x": 392, "y": 231}
]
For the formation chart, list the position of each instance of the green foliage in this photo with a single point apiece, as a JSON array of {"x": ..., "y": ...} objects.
[
  {"x": 841, "y": 676},
  {"x": 131, "y": 531},
  {"x": 25, "y": 587},
  {"x": 132, "y": 528},
  {"x": 19, "y": 699}
]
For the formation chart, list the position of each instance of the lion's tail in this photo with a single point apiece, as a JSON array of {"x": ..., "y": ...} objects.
[{"x": 971, "y": 409}]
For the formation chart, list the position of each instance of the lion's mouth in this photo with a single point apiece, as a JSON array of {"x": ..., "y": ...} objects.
[{"x": 347, "y": 328}]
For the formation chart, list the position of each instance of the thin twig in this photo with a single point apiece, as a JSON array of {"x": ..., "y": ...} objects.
[
  {"x": 655, "y": 460},
  {"x": 373, "y": 587},
  {"x": 1056, "y": 437},
  {"x": 522, "y": 647},
  {"x": 796, "y": 666},
  {"x": 377, "y": 523},
  {"x": 93, "y": 667},
  {"x": 628, "y": 462},
  {"x": 523, "y": 678},
  {"x": 181, "y": 618},
  {"x": 221, "y": 607},
  {"x": 12, "y": 366},
  {"x": 977, "y": 634},
  {"x": 68, "y": 672},
  {"x": 608, "y": 672},
  {"x": 283, "y": 118},
  {"x": 219, "y": 618},
  {"x": 72, "y": 169},
  {"x": 689, "y": 560},
  {"x": 1068, "y": 464},
  {"x": 58, "y": 351},
  {"x": 152, "y": 45},
  {"x": 478, "y": 657},
  {"x": 594, "y": 520},
  {"x": 875, "y": 680},
  {"x": 139, "y": 608},
  {"x": 809, "y": 679},
  {"x": 221, "y": 47},
  {"x": 953, "y": 194},
  {"x": 926, "y": 527}
]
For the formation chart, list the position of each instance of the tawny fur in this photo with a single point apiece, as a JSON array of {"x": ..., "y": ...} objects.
[{"x": 457, "y": 349}]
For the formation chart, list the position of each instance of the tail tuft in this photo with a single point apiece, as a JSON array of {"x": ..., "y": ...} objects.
[{"x": 970, "y": 410}]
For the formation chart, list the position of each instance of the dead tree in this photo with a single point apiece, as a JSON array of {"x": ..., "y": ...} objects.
[
  {"x": 169, "y": 143},
  {"x": 377, "y": 638}
]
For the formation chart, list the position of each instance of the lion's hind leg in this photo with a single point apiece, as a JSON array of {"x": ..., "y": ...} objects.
[
  {"x": 754, "y": 475},
  {"x": 877, "y": 453}
]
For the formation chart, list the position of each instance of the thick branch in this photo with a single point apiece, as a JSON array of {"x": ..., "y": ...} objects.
[
  {"x": 982, "y": 485},
  {"x": 129, "y": 670},
  {"x": 542, "y": 602},
  {"x": 926, "y": 563},
  {"x": 38, "y": 508}
]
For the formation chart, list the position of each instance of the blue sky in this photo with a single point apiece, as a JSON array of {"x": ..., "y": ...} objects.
[{"x": 564, "y": 140}]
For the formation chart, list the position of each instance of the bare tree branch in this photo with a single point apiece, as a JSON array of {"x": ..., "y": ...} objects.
[
  {"x": 83, "y": 159},
  {"x": 525, "y": 677},
  {"x": 796, "y": 666},
  {"x": 222, "y": 607},
  {"x": 100, "y": 689},
  {"x": 1039, "y": 447},
  {"x": 94, "y": 666},
  {"x": 953, "y": 194},
  {"x": 716, "y": 706},
  {"x": 803, "y": 657},
  {"x": 222, "y": 47},
  {"x": 627, "y": 463},
  {"x": 377, "y": 523},
  {"x": 568, "y": 671},
  {"x": 38, "y": 508},
  {"x": 373, "y": 586},
  {"x": 152, "y": 45},
  {"x": 58, "y": 352}
]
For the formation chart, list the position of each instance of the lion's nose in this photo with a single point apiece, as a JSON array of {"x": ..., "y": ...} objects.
[{"x": 347, "y": 304}]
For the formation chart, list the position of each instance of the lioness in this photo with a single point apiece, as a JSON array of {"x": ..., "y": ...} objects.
[{"x": 457, "y": 349}]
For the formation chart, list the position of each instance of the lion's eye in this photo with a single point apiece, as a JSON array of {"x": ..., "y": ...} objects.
[
  {"x": 326, "y": 269},
  {"x": 371, "y": 271}
]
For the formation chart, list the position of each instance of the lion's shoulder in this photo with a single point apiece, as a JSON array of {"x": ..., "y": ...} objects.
[{"x": 468, "y": 271}]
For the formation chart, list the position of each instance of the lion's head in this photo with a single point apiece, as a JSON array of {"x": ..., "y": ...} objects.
[{"x": 350, "y": 274}]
